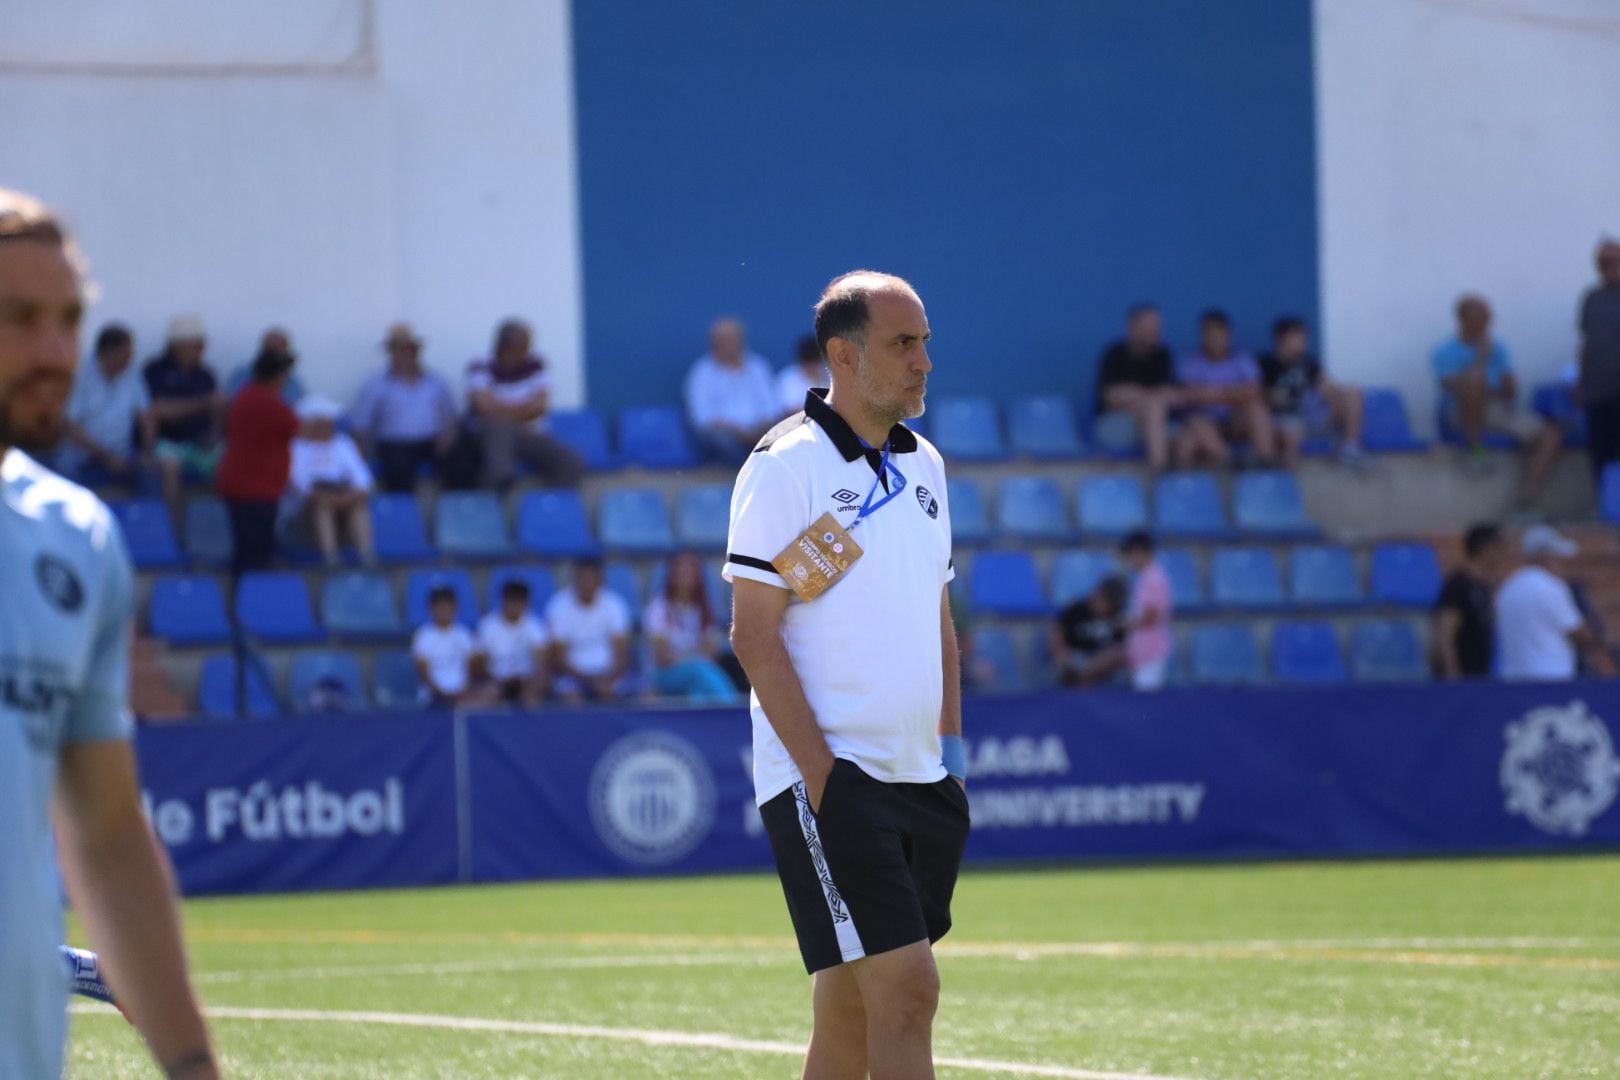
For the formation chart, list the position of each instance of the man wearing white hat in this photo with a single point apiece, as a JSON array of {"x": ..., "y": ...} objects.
[
  {"x": 329, "y": 483},
  {"x": 406, "y": 415},
  {"x": 187, "y": 405},
  {"x": 1540, "y": 627}
]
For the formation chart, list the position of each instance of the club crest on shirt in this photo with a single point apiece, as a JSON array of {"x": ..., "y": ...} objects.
[
  {"x": 926, "y": 500},
  {"x": 59, "y": 583}
]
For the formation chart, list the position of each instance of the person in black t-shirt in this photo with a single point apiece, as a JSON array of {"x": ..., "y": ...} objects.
[
  {"x": 1464, "y": 637},
  {"x": 1304, "y": 402},
  {"x": 1136, "y": 389},
  {"x": 1087, "y": 642}
]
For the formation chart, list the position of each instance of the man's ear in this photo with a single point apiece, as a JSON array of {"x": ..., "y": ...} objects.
[{"x": 842, "y": 355}]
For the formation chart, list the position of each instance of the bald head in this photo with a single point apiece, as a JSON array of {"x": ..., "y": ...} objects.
[
  {"x": 726, "y": 340},
  {"x": 845, "y": 307},
  {"x": 1473, "y": 317}
]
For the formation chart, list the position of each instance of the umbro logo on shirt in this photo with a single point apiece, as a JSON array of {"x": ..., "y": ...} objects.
[{"x": 845, "y": 498}]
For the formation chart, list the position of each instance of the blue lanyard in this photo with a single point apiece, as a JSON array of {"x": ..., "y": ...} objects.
[{"x": 868, "y": 508}]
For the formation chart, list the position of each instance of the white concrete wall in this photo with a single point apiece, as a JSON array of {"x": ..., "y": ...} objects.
[
  {"x": 330, "y": 165},
  {"x": 1463, "y": 145}
]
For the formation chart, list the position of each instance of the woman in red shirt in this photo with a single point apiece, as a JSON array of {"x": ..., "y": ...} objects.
[{"x": 259, "y": 430}]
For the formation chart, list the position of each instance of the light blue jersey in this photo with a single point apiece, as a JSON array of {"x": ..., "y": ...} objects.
[{"x": 66, "y": 594}]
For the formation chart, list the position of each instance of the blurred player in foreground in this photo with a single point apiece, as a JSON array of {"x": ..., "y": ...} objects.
[
  {"x": 67, "y": 592},
  {"x": 859, "y": 764}
]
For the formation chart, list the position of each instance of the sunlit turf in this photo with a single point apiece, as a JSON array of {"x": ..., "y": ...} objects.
[{"x": 1476, "y": 968}]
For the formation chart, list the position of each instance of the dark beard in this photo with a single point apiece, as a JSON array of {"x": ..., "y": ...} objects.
[{"x": 30, "y": 442}]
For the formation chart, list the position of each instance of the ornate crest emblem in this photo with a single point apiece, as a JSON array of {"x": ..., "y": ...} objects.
[{"x": 1559, "y": 770}]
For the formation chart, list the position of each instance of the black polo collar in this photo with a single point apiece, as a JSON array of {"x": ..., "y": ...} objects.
[{"x": 901, "y": 438}]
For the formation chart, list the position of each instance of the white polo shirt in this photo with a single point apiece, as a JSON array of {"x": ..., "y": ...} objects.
[
  {"x": 509, "y": 646},
  {"x": 867, "y": 650},
  {"x": 1535, "y": 614}
]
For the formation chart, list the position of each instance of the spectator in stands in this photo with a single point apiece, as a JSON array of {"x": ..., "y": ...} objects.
[
  {"x": 109, "y": 422},
  {"x": 509, "y": 395},
  {"x": 1222, "y": 386},
  {"x": 259, "y": 430},
  {"x": 1480, "y": 394},
  {"x": 684, "y": 638},
  {"x": 443, "y": 651},
  {"x": 1148, "y": 641},
  {"x": 406, "y": 416},
  {"x": 796, "y": 380},
  {"x": 730, "y": 398},
  {"x": 1136, "y": 389},
  {"x": 1464, "y": 622},
  {"x": 511, "y": 648},
  {"x": 1304, "y": 401},
  {"x": 187, "y": 405},
  {"x": 590, "y": 637},
  {"x": 275, "y": 340},
  {"x": 329, "y": 487},
  {"x": 1087, "y": 640},
  {"x": 1599, "y": 387},
  {"x": 1539, "y": 626}
]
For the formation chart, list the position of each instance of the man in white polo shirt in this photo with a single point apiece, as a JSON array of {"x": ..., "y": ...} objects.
[
  {"x": 858, "y": 760},
  {"x": 1540, "y": 629}
]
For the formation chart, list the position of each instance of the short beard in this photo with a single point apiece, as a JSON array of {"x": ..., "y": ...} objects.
[
  {"x": 26, "y": 441},
  {"x": 894, "y": 414}
]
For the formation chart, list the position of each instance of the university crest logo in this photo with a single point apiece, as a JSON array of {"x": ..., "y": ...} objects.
[{"x": 1559, "y": 770}]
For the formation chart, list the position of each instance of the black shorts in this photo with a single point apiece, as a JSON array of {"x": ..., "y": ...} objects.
[{"x": 874, "y": 870}]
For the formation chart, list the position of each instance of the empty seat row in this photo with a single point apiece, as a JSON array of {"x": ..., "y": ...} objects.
[
  {"x": 276, "y": 607},
  {"x": 1320, "y": 575},
  {"x": 1187, "y": 504},
  {"x": 394, "y": 684},
  {"x": 467, "y": 525},
  {"x": 1229, "y": 654}
]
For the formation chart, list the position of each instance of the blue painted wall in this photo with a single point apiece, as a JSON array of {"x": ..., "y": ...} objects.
[{"x": 1033, "y": 167}]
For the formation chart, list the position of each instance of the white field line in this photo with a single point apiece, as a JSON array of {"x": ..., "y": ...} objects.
[
  {"x": 457, "y": 967},
  {"x": 644, "y": 1036}
]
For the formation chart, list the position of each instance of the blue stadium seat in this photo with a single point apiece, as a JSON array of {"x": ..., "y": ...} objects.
[
  {"x": 401, "y": 534},
  {"x": 720, "y": 593},
  {"x": 148, "y": 532},
  {"x": 1007, "y": 583},
  {"x": 539, "y": 579},
  {"x": 1225, "y": 654},
  {"x": 1031, "y": 508},
  {"x": 1189, "y": 504},
  {"x": 1268, "y": 503},
  {"x": 1609, "y": 498},
  {"x": 1556, "y": 402},
  {"x": 655, "y": 437},
  {"x": 189, "y": 610},
  {"x": 1385, "y": 425},
  {"x": 207, "y": 531},
  {"x": 274, "y": 607},
  {"x": 1246, "y": 577},
  {"x": 421, "y": 582},
  {"x": 360, "y": 606},
  {"x": 1076, "y": 573},
  {"x": 309, "y": 669},
  {"x": 394, "y": 681},
  {"x": 216, "y": 690},
  {"x": 1324, "y": 575},
  {"x": 621, "y": 577},
  {"x": 1043, "y": 427},
  {"x": 554, "y": 523},
  {"x": 1186, "y": 581},
  {"x": 1406, "y": 574},
  {"x": 1387, "y": 650},
  {"x": 471, "y": 525},
  {"x": 967, "y": 428},
  {"x": 704, "y": 516},
  {"x": 995, "y": 660},
  {"x": 585, "y": 431},
  {"x": 970, "y": 518},
  {"x": 1307, "y": 651},
  {"x": 635, "y": 520},
  {"x": 1111, "y": 504}
]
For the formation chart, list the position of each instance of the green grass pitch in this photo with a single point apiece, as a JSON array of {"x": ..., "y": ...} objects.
[{"x": 1472, "y": 968}]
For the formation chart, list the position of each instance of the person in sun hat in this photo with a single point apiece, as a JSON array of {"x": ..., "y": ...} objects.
[
  {"x": 406, "y": 418},
  {"x": 1540, "y": 628},
  {"x": 329, "y": 483}
]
